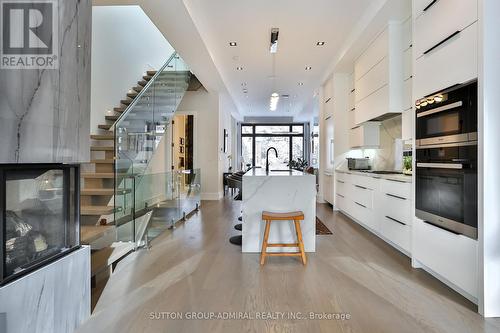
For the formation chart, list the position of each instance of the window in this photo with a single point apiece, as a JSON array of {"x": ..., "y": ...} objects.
[{"x": 288, "y": 139}]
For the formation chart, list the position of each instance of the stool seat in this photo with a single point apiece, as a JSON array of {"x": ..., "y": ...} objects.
[{"x": 296, "y": 216}]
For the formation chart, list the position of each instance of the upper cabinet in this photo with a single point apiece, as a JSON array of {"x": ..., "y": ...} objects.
[
  {"x": 328, "y": 97},
  {"x": 445, "y": 44},
  {"x": 378, "y": 75},
  {"x": 407, "y": 117}
]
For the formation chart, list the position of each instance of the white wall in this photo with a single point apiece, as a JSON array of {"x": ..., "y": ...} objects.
[
  {"x": 205, "y": 108},
  {"x": 489, "y": 157},
  {"x": 125, "y": 44}
]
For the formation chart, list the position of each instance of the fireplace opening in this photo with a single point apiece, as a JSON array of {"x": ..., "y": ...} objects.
[{"x": 39, "y": 216}]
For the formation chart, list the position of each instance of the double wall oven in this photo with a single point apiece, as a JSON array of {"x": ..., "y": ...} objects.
[{"x": 446, "y": 159}]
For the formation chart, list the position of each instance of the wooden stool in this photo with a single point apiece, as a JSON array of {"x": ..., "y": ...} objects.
[{"x": 296, "y": 217}]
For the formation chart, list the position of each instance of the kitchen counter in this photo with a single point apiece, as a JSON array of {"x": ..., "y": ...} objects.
[
  {"x": 278, "y": 191},
  {"x": 396, "y": 177}
]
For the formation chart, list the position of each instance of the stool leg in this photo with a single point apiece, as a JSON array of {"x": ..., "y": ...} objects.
[
  {"x": 264, "y": 243},
  {"x": 301, "y": 242}
]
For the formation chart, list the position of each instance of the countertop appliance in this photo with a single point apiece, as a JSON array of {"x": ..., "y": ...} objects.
[
  {"x": 358, "y": 163},
  {"x": 449, "y": 116},
  {"x": 446, "y": 187}
]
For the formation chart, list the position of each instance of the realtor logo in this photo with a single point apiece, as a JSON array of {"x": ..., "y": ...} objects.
[{"x": 29, "y": 31}]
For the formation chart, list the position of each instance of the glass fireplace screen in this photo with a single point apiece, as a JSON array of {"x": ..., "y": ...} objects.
[{"x": 40, "y": 215}]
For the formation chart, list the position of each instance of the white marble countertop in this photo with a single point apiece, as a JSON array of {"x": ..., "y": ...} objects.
[
  {"x": 397, "y": 177},
  {"x": 261, "y": 172}
]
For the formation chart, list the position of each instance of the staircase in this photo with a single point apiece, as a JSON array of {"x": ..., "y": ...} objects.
[{"x": 102, "y": 187}]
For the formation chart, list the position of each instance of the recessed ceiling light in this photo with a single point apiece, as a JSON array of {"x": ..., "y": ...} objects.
[
  {"x": 239, "y": 68},
  {"x": 301, "y": 83},
  {"x": 232, "y": 44},
  {"x": 320, "y": 43},
  {"x": 308, "y": 68},
  {"x": 244, "y": 84}
]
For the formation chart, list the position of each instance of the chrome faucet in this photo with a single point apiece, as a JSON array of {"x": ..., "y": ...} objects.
[{"x": 267, "y": 157}]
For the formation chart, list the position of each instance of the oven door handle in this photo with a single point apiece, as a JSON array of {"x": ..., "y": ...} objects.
[
  {"x": 440, "y": 165},
  {"x": 440, "y": 109}
]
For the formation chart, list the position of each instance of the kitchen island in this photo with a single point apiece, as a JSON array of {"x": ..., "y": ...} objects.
[{"x": 278, "y": 191}]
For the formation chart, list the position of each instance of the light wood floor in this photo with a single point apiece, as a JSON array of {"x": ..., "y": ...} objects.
[{"x": 195, "y": 268}]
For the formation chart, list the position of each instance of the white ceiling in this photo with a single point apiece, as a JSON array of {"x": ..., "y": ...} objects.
[{"x": 302, "y": 23}]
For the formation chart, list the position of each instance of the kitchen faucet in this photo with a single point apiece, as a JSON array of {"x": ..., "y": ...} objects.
[{"x": 267, "y": 157}]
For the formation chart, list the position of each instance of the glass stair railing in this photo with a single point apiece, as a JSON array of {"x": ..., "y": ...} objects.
[{"x": 138, "y": 136}]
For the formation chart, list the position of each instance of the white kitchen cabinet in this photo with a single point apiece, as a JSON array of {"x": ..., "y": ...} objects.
[
  {"x": 407, "y": 63},
  {"x": 328, "y": 194},
  {"x": 407, "y": 34},
  {"x": 374, "y": 53},
  {"x": 352, "y": 119},
  {"x": 328, "y": 90},
  {"x": 453, "y": 257},
  {"x": 440, "y": 21},
  {"x": 378, "y": 76},
  {"x": 454, "y": 62},
  {"x": 365, "y": 136},
  {"x": 407, "y": 124}
]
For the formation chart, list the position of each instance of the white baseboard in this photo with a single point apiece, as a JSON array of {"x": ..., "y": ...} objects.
[{"x": 211, "y": 196}]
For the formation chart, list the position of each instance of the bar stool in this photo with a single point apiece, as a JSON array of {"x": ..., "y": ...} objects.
[{"x": 270, "y": 217}]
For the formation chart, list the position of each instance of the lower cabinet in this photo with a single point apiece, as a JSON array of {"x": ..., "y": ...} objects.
[
  {"x": 453, "y": 257},
  {"x": 382, "y": 206},
  {"x": 385, "y": 208}
]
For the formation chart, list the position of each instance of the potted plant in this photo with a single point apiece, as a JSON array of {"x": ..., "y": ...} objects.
[
  {"x": 407, "y": 165},
  {"x": 299, "y": 164}
]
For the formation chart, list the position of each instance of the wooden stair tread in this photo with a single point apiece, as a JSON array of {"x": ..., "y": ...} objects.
[
  {"x": 119, "y": 109},
  {"x": 142, "y": 83},
  {"x": 100, "y": 175},
  {"x": 138, "y": 88},
  {"x": 101, "y": 191},
  {"x": 104, "y": 126},
  {"x": 132, "y": 94},
  {"x": 147, "y": 77},
  {"x": 103, "y": 161},
  {"x": 96, "y": 210},
  {"x": 151, "y": 73},
  {"x": 105, "y": 257},
  {"x": 102, "y": 136},
  {"x": 89, "y": 233},
  {"x": 102, "y": 148},
  {"x": 112, "y": 118},
  {"x": 126, "y": 101},
  {"x": 97, "y": 191}
]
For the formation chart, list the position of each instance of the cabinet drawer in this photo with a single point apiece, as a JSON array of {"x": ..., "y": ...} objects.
[
  {"x": 396, "y": 208},
  {"x": 374, "y": 79},
  {"x": 454, "y": 257},
  {"x": 397, "y": 233},
  {"x": 345, "y": 177},
  {"x": 454, "y": 62},
  {"x": 362, "y": 195},
  {"x": 441, "y": 20},
  {"x": 340, "y": 201},
  {"x": 375, "y": 52},
  {"x": 341, "y": 187},
  {"x": 365, "y": 181},
  {"x": 373, "y": 106},
  {"x": 396, "y": 188},
  {"x": 363, "y": 215}
]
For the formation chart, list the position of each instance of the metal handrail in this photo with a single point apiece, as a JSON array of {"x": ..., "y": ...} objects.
[{"x": 143, "y": 91}]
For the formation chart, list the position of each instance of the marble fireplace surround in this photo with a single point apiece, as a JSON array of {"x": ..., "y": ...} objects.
[{"x": 45, "y": 114}]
